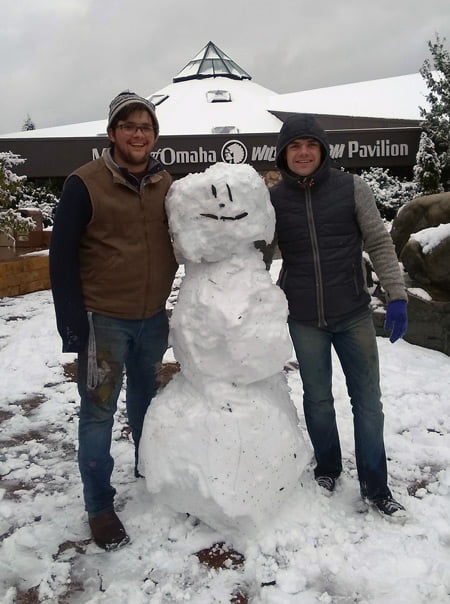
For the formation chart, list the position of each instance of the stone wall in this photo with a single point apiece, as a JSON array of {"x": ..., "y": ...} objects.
[
  {"x": 428, "y": 318},
  {"x": 24, "y": 274},
  {"x": 429, "y": 323}
]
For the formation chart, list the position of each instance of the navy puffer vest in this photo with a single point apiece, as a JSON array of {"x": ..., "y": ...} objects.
[{"x": 318, "y": 236}]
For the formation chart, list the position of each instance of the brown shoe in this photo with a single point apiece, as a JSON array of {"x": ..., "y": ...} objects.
[{"x": 108, "y": 531}]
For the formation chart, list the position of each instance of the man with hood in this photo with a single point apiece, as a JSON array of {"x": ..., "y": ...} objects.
[
  {"x": 325, "y": 219},
  {"x": 112, "y": 266}
]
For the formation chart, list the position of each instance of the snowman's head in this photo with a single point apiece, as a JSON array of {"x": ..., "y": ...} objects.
[{"x": 211, "y": 213}]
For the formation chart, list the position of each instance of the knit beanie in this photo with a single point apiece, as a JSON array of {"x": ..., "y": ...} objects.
[{"x": 127, "y": 98}]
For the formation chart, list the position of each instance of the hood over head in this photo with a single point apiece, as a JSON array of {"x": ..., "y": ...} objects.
[{"x": 301, "y": 125}]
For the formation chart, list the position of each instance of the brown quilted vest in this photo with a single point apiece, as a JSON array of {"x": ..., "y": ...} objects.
[{"x": 127, "y": 263}]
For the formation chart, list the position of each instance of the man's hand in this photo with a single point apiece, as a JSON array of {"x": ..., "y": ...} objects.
[{"x": 396, "y": 319}]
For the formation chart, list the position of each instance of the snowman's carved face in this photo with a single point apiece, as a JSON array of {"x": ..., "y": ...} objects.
[
  {"x": 223, "y": 205},
  {"x": 212, "y": 213}
]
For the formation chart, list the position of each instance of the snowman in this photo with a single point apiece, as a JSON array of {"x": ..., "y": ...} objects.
[{"x": 221, "y": 441}]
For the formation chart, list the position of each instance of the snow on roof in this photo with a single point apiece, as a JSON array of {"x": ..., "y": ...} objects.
[
  {"x": 397, "y": 97},
  {"x": 199, "y": 101},
  {"x": 84, "y": 129},
  {"x": 198, "y": 106},
  {"x": 195, "y": 106}
]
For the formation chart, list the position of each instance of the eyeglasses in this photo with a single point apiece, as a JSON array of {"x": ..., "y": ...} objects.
[{"x": 129, "y": 128}]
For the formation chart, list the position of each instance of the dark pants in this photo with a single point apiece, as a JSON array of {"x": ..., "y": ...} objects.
[
  {"x": 138, "y": 346},
  {"x": 354, "y": 341}
]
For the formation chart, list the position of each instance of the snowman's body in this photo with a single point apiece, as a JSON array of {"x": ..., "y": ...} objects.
[
  {"x": 229, "y": 322},
  {"x": 221, "y": 441}
]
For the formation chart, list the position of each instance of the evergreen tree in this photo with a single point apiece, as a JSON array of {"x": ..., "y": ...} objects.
[
  {"x": 436, "y": 73},
  {"x": 11, "y": 220},
  {"x": 427, "y": 171},
  {"x": 28, "y": 124}
]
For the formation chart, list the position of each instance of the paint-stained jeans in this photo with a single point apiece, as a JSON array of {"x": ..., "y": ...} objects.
[
  {"x": 137, "y": 346},
  {"x": 355, "y": 344}
]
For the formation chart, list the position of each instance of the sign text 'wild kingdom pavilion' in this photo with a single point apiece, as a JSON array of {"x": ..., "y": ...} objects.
[{"x": 353, "y": 149}]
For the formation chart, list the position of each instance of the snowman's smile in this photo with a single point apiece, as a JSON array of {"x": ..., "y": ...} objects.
[
  {"x": 222, "y": 205},
  {"x": 215, "y": 217}
]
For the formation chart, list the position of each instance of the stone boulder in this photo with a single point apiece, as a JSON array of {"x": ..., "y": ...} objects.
[
  {"x": 417, "y": 214},
  {"x": 429, "y": 267}
]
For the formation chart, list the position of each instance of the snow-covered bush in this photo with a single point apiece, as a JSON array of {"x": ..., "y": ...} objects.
[
  {"x": 391, "y": 192},
  {"x": 32, "y": 196},
  {"x": 13, "y": 222},
  {"x": 16, "y": 194}
]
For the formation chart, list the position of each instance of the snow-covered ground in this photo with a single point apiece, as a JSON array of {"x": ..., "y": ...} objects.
[{"x": 317, "y": 548}]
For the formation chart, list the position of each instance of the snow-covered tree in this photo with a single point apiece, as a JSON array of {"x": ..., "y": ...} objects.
[
  {"x": 17, "y": 194},
  {"x": 390, "y": 192},
  {"x": 10, "y": 182},
  {"x": 436, "y": 73},
  {"x": 427, "y": 171},
  {"x": 28, "y": 124},
  {"x": 10, "y": 185}
]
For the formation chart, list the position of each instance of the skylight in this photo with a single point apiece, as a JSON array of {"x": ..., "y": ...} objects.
[{"x": 211, "y": 62}]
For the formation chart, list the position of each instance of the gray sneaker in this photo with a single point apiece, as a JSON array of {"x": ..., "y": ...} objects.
[{"x": 388, "y": 507}]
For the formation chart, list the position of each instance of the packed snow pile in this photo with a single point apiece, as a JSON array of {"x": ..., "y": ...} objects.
[
  {"x": 222, "y": 442},
  {"x": 431, "y": 237},
  {"x": 318, "y": 549}
]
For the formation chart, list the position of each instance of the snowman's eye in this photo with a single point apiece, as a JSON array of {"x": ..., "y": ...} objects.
[
  {"x": 214, "y": 191},
  {"x": 229, "y": 193}
]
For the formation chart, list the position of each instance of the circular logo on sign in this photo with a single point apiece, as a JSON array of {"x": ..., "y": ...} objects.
[{"x": 234, "y": 152}]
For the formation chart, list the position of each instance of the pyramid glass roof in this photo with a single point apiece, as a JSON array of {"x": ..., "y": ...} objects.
[{"x": 211, "y": 62}]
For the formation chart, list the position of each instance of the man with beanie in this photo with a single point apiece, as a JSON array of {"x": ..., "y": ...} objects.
[
  {"x": 325, "y": 219},
  {"x": 112, "y": 267}
]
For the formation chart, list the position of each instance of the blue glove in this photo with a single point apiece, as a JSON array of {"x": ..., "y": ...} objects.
[{"x": 396, "y": 319}]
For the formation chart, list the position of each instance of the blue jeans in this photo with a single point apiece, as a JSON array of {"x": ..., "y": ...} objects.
[
  {"x": 354, "y": 341},
  {"x": 138, "y": 346}
]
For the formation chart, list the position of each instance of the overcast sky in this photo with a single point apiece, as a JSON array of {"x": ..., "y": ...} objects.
[{"x": 63, "y": 60}]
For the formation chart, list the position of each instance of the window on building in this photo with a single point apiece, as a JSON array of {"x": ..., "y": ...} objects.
[
  {"x": 225, "y": 130},
  {"x": 218, "y": 96},
  {"x": 157, "y": 99}
]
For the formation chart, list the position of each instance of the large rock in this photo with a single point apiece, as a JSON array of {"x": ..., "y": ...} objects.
[
  {"x": 417, "y": 214},
  {"x": 426, "y": 264},
  {"x": 428, "y": 267}
]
